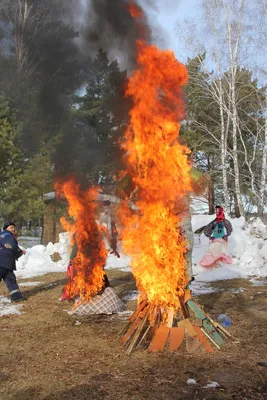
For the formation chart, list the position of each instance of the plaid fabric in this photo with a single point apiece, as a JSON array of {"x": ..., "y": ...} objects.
[{"x": 106, "y": 303}]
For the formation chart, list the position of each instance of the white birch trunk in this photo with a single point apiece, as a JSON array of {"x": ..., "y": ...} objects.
[
  {"x": 233, "y": 48},
  {"x": 264, "y": 165},
  {"x": 235, "y": 153},
  {"x": 223, "y": 154}
]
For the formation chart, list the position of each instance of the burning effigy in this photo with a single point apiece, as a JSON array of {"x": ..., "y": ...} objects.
[
  {"x": 87, "y": 285},
  {"x": 156, "y": 235}
]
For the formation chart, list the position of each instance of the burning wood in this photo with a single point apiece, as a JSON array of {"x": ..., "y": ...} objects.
[
  {"x": 88, "y": 284},
  {"x": 153, "y": 235},
  {"x": 89, "y": 262},
  {"x": 149, "y": 329}
]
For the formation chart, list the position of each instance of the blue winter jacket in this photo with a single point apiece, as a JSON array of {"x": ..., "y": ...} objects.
[{"x": 9, "y": 251}]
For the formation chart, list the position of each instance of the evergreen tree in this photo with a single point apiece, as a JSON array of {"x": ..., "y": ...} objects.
[
  {"x": 103, "y": 111},
  {"x": 23, "y": 180}
]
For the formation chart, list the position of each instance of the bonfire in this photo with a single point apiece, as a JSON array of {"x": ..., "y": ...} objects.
[
  {"x": 153, "y": 235},
  {"x": 87, "y": 282}
]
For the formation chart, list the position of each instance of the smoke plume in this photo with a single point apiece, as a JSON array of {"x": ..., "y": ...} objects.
[{"x": 109, "y": 25}]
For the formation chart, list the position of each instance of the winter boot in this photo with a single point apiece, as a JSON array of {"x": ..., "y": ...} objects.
[{"x": 16, "y": 297}]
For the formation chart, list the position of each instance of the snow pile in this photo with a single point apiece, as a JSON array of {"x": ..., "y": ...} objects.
[
  {"x": 37, "y": 260},
  {"x": 246, "y": 245},
  {"x": 257, "y": 228},
  {"x": 122, "y": 263}
]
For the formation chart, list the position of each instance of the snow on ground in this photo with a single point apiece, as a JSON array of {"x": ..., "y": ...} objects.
[
  {"x": 29, "y": 284},
  {"x": 37, "y": 260},
  {"x": 121, "y": 263},
  {"x": 8, "y": 308},
  {"x": 247, "y": 246}
]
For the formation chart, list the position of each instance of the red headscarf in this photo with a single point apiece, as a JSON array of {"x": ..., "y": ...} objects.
[{"x": 219, "y": 214}]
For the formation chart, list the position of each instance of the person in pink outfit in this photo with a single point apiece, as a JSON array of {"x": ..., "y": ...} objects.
[{"x": 218, "y": 232}]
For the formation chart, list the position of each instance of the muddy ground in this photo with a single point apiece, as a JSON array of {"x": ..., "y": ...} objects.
[{"x": 44, "y": 355}]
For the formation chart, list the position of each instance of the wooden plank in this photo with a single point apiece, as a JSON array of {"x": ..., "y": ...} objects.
[
  {"x": 142, "y": 314},
  {"x": 221, "y": 328},
  {"x": 206, "y": 323},
  {"x": 160, "y": 338},
  {"x": 142, "y": 340},
  {"x": 152, "y": 330},
  {"x": 196, "y": 321},
  {"x": 138, "y": 334},
  {"x": 185, "y": 323},
  {"x": 189, "y": 328},
  {"x": 196, "y": 310},
  {"x": 212, "y": 332},
  {"x": 170, "y": 317},
  {"x": 183, "y": 307},
  {"x": 176, "y": 338},
  {"x": 210, "y": 338},
  {"x": 203, "y": 339},
  {"x": 187, "y": 295},
  {"x": 193, "y": 344},
  {"x": 140, "y": 307},
  {"x": 131, "y": 330},
  {"x": 150, "y": 334}
]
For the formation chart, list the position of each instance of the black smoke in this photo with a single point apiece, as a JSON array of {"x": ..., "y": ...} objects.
[
  {"x": 109, "y": 25},
  {"x": 45, "y": 63}
]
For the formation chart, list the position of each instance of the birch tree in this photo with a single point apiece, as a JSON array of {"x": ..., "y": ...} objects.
[
  {"x": 225, "y": 27},
  {"x": 261, "y": 42}
]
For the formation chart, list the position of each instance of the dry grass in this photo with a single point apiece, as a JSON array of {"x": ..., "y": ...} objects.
[
  {"x": 227, "y": 284},
  {"x": 44, "y": 356}
]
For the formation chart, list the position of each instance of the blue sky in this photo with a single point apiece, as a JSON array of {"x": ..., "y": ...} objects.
[{"x": 169, "y": 14}]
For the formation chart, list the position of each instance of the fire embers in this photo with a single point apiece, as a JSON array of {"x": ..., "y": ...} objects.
[{"x": 90, "y": 255}]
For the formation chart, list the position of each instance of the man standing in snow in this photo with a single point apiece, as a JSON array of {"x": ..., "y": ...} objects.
[{"x": 9, "y": 253}]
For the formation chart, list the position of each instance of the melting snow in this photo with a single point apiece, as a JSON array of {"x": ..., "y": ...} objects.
[
  {"x": 212, "y": 384},
  {"x": 191, "y": 381},
  {"x": 8, "y": 308},
  {"x": 25, "y": 284}
]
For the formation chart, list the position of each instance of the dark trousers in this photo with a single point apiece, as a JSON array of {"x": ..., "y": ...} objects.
[{"x": 11, "y": 283}]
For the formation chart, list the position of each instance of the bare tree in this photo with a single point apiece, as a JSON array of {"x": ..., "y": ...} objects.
[
  {"x": 261, "y": 42},
  {"x": 229, "y": 45},
  {"x": 29, "y": 22}
]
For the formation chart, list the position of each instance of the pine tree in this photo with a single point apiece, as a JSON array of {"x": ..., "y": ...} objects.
[{"x": 104, "y": 112}]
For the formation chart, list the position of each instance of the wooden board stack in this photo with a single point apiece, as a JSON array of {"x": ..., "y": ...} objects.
[{"x": 190, "y": 325}]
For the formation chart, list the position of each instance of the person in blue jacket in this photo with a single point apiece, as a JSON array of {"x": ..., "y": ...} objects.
[{"x": 9, "y": 253}]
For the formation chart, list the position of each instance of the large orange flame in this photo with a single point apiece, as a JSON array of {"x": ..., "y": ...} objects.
[
  {"x": 89, "y": 262},
  {"x": 159, "y": 167}
]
